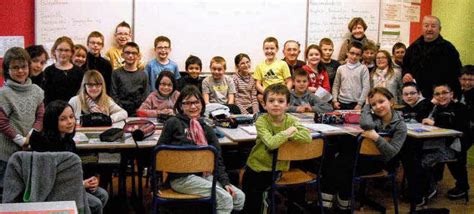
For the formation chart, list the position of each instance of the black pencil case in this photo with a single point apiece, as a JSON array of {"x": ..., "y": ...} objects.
[{"x": 111, "y": 135}]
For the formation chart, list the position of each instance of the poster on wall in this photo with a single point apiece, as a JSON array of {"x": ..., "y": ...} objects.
[{"x": 7, "y": 42}]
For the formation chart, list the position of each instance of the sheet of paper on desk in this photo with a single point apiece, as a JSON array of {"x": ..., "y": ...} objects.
[
  {"x": 320, "y": 127},
  {"x": 249, "y": 129},
  {"x": 418, "y": 127},
  {"x": 80, "y": 137},
  {"x": 322, "y": 94}
]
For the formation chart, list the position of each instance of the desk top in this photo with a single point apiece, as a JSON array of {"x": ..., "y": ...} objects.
[
  {"x": 417, "y": 130},
  {"x": 66, "y": 207}
]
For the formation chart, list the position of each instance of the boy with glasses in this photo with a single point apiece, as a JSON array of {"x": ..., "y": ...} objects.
[
  {"x": 162, "y": 62},
  {"x": 95, "y": 44},
  {"x": 122, "y": 35}
]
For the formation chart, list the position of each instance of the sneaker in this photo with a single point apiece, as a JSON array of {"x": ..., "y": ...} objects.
[
  {"x": 421, "y": 203},
  {"x": 431, "y": 193},
  {"x": 456, "y": 193}
]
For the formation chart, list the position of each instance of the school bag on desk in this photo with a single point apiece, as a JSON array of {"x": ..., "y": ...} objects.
[{"x": 95, "y": 120}]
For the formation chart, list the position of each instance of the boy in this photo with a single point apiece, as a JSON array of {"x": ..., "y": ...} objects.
[
  {"x": 129, "y": 83},
  {"x": 302, "y": 100},
  {"x": 352, "y": 83},
  {"x": 193, "y": 69},
  {"x": 368, "y": 56},
  {"x": 39, "y": 57},
  {"x": 271, "y": 70},
  {"x": 95, "y": 43},
  {"x": 122, "y": 35},
  {"x": 327, "y": 47},
  {"x": 161, "y": 63},
  {"x": 291, "y": 50},
  {"x": 274, "y": 128},
  {"x": 219, "y": 88},
  {"x": 398, "y": 52}
]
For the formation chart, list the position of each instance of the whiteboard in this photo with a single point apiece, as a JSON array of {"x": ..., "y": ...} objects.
[
  {"x": 76, "y": 19},
  {"x": 207, "y": 28},
  {"x": 329, "y": 18}
]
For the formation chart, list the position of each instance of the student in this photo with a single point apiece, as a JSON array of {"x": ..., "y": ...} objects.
[
  {"x": 383, "y": 75},
  {"x": 80, "y": 56},
  {"x": 21, "y": 106},
  {"x": 193, "y": 69},
  {"x": 188, "y": 128},
  {"x": 291, "y": 50},
  {"x": 95, "y": 43},
  {"x": 162, "y": 100},
  {"x": 129, "y": 83},
  {"x": 219, "y": 88},
  {"x": 318, "y": 77},
  {"x": 467, "y": 86},
  {"x": 57, "y": 135},
  {"x": 452, "y": 115},
  {"x": 62, "y": 80},
  {"x": 246, "y": 92},
  {"x": 330, "y": 65},
  {"x": 377, "y": 116},
  {"x": 368, "y": 55},
  {"x": 302, "y": 99},
  {"x": 122, "y": 35},
  {"x": 416, "y": 107},
  {"x": 398, "y": 52},
  {"x": 271, "y": 70},
  {"x": 162, "y": 62},
  {"x": 92, "y": 97},
  {"x": 352, "y": 83},
  {"x": 274, "y": 128},
  {"x": 39, "y": 57},
  {"x": 357, "y": 28}
]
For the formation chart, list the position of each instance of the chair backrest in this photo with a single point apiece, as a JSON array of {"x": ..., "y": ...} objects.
[
  {"x": 185, "y": 159},
  {"x": 301, "y": 151},
  {"x": 368, "y": 147}
]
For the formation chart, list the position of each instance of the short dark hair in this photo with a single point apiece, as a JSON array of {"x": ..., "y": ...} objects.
[
  {"x": 369, "y": 46},
  {"x": 131, "y": 44},
  {"x": 123, "y": 24},
  {"x": 276, "y": 88},
  {"x": 442, "y": 84},
  {"x": 193, "y": 60},
  {"x": 168, "y": 74},
  {"x": 300, "y": 72},
  {"x": 50, "y": 122},
  {"x": 380, "y": 90},
  {"x": 467, "y": 70},
  {"x": 13, "y": 54},
  {"x": 36, "y": 51},
  {"x": 398, "y": 45},
  {"x": 188, "y": 91},
  {"x": 326, "y": 41},
  {"x": 411, "y": 84},
  {"x": 357, "y": 45},
  {"x": 272, "y": 40},
  {"x": 161, "y": 39},
  {"x": 239, "y": 58}
]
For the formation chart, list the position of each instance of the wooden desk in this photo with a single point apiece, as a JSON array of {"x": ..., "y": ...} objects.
[
  {"x": 65, "y": 207},
  {"x": 430, "y": 131}
]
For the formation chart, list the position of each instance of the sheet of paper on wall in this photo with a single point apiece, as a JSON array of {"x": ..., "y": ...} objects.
[
  {"x": 7, "y": 42},
  {"x": 322, "y": 94}
]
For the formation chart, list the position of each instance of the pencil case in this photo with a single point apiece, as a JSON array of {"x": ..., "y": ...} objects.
[{"x": 111, "y": 135}]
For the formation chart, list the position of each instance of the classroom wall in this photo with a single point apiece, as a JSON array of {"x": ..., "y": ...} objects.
[
  {"x": 17, "y": 19},
  {"x": 457, "y": 21}
]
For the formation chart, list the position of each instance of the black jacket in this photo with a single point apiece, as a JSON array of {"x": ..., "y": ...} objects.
[
  {"x": 186, "y": 79},
  {"x": 454, "y": 116},
  {"x": 103, "y": 66},
  {"x": 433, "y": 63},
  {"x": 420, "y": 111},
  {"x": 175, "y": 133},
  {"x": 41, "y": 143},
  {"x": 60, "y": 84}
]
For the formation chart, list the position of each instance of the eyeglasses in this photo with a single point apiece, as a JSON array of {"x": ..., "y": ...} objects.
[
  {"x": 443, "y": 93},
  {"x": 63, "y": 50},
  {"x": 166, "y": 85},
  {"x": 354, "y": 53},
  {"x": 96, "y": 43},
  {"x": 130, "y": 53},
  {"x": 191, "y": 103},
  {"x": 18, "y": 67},
  {"x": 93, "y": 85},
  {"x": 410, "y": 93},
  {"x": 162, "y": 48}
]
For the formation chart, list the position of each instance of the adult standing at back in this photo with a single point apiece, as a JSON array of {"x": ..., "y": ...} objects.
[
  {"x": 357, "y": 28},
  {"x": 432, "y": 60},
  {"x": 291, "y": 51}
]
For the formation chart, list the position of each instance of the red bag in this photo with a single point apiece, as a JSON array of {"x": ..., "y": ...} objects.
[{"x": 352, "y": 118}]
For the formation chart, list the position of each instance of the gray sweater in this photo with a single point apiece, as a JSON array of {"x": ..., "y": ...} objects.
[
  {"x": 316, "y": 104},
  {"x": 397, "y": 130},
  {"x": 45, "y": 176},
  {"x": 351, "y": 85}
]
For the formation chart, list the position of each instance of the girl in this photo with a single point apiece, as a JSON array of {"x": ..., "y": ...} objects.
[
  {"x": 246, "y": 96},
  {"x": 92, "y": 97},
  {"x": 452, "y": 115},
  {"x": 187, "y": 128},
  {"x": 357, "y": 28},
  {"x": 21, "y": 106},
  {"x": 163, "y": 99},
  {"x": 62, "y": 80},
  {"x": 80, "y": 56},
  {"x": 39, "y": 57},
  {"x": 416, "y": 107},
  {"x": 385, "y": 76},
  {"x": 377, "y": 116},
  {"x": 58, "y": 131},
  {"x": 317, "y": 74}
]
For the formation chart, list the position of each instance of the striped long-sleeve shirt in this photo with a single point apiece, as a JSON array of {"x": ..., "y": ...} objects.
[{"x": 246, "y": 96}]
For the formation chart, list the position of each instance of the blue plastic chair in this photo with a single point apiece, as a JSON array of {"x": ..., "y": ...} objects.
[{"x": 183, "y": 159}]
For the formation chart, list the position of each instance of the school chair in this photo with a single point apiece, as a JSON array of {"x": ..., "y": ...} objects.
[
  {"x": 368, "y": 149},
  {"x": 294, "y": 177},
  {"x": 183, "y": 159}
]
